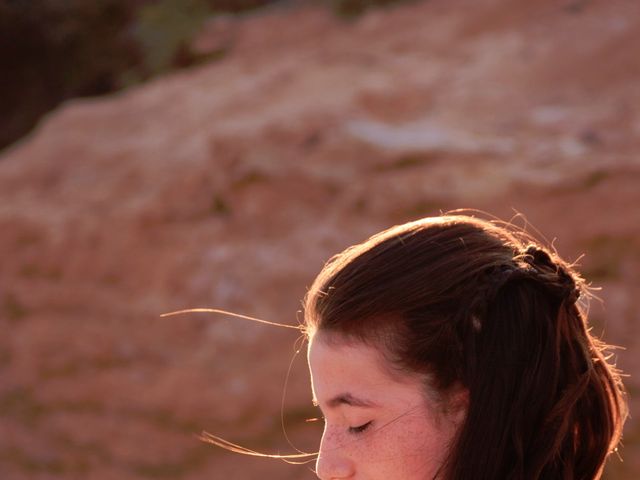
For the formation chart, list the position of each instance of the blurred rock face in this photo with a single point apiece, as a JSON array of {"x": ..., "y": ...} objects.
[{"x": 229, "y": 185}]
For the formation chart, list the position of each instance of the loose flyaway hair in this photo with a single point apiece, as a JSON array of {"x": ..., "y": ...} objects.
[{"x": 298, "y": 458}]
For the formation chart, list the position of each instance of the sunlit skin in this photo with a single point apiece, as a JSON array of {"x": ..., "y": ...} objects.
[{"x": 379, "y": 425}]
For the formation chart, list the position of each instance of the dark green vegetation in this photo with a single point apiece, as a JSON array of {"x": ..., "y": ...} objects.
[
  {"x": 51, "y": 51},
  {"x": 353, "y": 8}
]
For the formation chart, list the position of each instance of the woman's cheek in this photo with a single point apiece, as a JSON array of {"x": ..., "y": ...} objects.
[{"x": 405, "y": 450}]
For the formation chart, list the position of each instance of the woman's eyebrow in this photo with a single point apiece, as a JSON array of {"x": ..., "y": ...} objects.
[{"x": 347, "y": 399}]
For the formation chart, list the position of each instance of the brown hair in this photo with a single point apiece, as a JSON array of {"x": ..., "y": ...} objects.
[{"x": 480, "y": 305}]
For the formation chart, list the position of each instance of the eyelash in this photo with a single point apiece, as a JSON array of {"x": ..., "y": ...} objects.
[
  {"x": 352, "y": 430},
  {"x": 360, "y": 429}
]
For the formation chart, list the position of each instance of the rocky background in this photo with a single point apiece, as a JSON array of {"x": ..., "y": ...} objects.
[{"x": 228, "y": 184}]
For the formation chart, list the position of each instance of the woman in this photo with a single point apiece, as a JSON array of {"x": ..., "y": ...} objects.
[{"x": 455, "y": 348}]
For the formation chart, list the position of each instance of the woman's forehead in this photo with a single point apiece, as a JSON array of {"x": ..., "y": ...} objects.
[
  {"x": 343, "y": 369},
  {"x": 342, "y": 361}
]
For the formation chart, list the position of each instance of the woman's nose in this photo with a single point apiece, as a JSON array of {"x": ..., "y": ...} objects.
[{"x": 332, "y": 462}]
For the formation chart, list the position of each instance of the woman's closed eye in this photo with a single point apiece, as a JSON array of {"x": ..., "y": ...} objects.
[{"x": 360, "y": 429}]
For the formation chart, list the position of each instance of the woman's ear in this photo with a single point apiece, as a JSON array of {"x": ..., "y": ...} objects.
[{"x": 457, "y": 404}]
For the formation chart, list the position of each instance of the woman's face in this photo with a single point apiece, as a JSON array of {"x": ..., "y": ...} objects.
[{"x": 378, "y": 425}]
